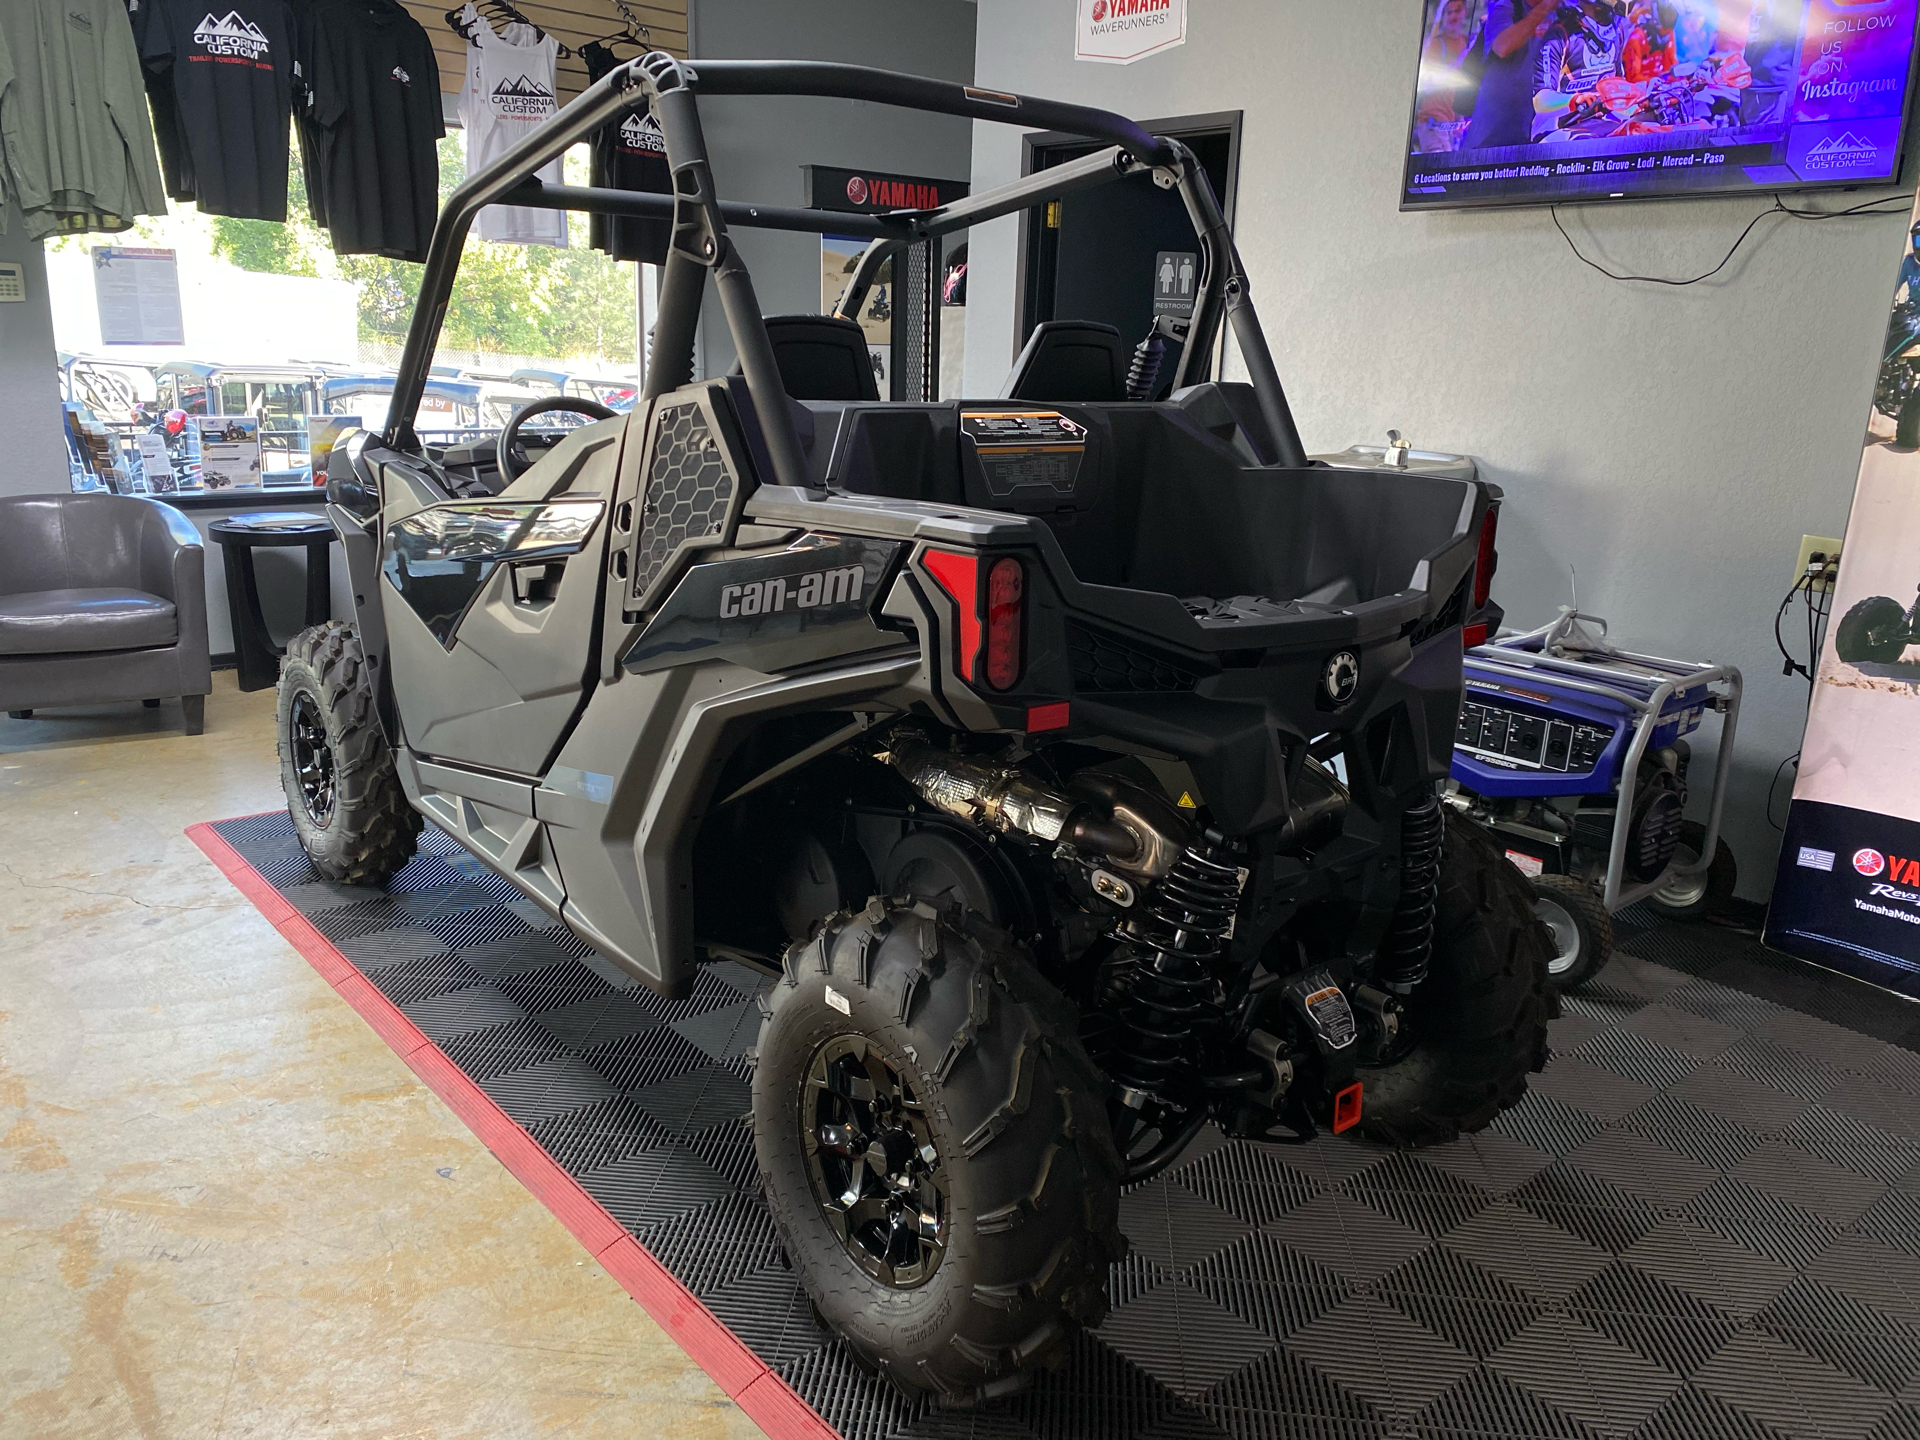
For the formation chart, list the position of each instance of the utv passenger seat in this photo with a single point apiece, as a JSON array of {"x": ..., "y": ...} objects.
[
  {"x": 1070, "y": 360},
  {"x": 821, "y": 357}
]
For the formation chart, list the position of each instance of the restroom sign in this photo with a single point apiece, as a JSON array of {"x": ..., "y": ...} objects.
[{"x": 1176, "y": 280}]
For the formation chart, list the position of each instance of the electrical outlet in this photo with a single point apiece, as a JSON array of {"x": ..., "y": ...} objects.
[{"x": 1810, "y": 545}]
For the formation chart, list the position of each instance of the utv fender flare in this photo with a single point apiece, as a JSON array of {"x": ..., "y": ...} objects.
[{"x": 663, "y": 845}]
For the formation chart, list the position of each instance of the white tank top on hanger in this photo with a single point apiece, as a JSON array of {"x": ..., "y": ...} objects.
[{"x": 510, "y": 89}]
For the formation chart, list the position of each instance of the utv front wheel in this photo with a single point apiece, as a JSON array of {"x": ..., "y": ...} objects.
[
  {"x": 345, "y": 799},
  {"x": 1480, "y": 1017},
  {"x": 934, "y": 1150},
  {"x": 1875, "y": 630}
]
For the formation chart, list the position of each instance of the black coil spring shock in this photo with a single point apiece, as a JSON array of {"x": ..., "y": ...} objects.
[
  {"x": 1410, "y": 941},
  {"x": 1177, "y": 936},
  {"x": 1143, "y": 376}
]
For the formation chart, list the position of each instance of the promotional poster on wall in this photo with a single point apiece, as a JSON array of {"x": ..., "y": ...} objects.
[
  {"x": 229, "y": 452},
  {"x": 1119, "y": 32},
  {"x": 1848, "y": 890},
  {"x": 839, "y": 258}
]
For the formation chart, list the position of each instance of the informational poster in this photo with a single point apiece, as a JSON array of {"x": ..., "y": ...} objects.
[
  {"x": 138, "y": 294},
  {"x": 1119, "y": 32},
  {"x": 1847, "y": 894},
  {"x": 323, "y": 433},
  {"x": 229, "y": 451},
  {"x": 156, "y": 465},
  {"x": 839, "y": 258}
]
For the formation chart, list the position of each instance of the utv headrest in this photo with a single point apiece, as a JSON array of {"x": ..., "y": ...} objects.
[
  {"x": 1070, "y": 360},
  {"x": 821, "y": 357}
]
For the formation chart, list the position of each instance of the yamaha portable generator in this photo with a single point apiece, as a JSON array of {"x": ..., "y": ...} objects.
[{"x": 1574, "y": 753}]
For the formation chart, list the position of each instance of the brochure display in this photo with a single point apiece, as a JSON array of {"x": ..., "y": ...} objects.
[
  {"x": 229, "y": 451},
  {"x": 1848, "y": 890}
]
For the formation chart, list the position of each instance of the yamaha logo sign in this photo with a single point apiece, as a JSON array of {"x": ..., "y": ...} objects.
[
  {"x": 857, "y": 189},
  {"x": 1869, "y": 862}
]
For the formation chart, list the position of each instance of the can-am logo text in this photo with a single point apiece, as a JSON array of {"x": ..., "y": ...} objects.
[
  {"x": 813, "y": 591},
  {"x": 1869, "y": 862},
  {"x": 235, "y": 36}
]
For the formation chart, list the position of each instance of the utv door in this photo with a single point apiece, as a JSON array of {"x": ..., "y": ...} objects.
[{"x": 493, "y": 609}]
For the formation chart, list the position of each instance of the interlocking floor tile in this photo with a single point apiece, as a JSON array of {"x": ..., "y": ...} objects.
[
  {"x": 1728, "y": 1277},
  {"x": 1527, "y": 1252},
  {"x": 1353, "y": 1342},
  {"x": 1791, "y": 1391},
  {"x": 1175, "y": 1228},
  {"x": 1742, "y": 1130},
  {"x": 1352, "y": 1240},
  {"x": 1190, "y": 1343},
  {"x": 1269, "y": 1285},
  {"x": 1581, "y": 1373}
]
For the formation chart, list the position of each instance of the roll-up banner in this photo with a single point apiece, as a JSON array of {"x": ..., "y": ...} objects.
[{"x": 1847, "y": 894}]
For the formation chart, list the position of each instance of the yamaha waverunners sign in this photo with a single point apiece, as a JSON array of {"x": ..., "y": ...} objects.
[
  {"x": 1848, "y": 890},
  {"x": 1119, "y": 32}
]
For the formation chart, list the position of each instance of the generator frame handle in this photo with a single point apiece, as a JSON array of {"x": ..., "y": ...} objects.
[{"x": 1685, "y": 675}]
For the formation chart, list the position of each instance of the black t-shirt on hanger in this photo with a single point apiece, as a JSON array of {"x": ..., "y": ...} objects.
[
  {"x": 176, "y": 164},
  {"x": 628, "y": 156},
  {"x": 231, "y": 77},
  {"x": 372, "y": 125}
]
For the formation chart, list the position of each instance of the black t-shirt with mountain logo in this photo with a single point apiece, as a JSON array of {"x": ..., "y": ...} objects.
[
  {"x": 629, "y": 156},
  {"x": 371, "y": 123},
  {"x": 230, "y": 72}
]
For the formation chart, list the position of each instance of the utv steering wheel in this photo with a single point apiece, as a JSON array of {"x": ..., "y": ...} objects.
[{"x": 510, "y": 435}]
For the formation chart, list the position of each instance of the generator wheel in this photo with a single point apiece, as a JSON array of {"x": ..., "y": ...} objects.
[
  {"x": 345, "y": 799},
  {"x": 1581, "y": 928},
  {"x": 934, "y": 1149},
  {"x": 1480, "y": 1017},
  {"x": 1698, "y": 896},
  {"x": 1876, "y": 630}
]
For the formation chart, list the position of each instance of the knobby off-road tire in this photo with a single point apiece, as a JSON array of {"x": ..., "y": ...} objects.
[
  {"x": 367, "y": 830},
  {"x": 1480, "y": 1016},
  {"x": 990, "y": 1051},
  {"x": 1579, "y": 924},
  {"x": 1874, "y": 630}
]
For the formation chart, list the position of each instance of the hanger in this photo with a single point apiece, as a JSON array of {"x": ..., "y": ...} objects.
[
  {"x": 505, "y": 14},
  {"x": 631, "y": 33}
]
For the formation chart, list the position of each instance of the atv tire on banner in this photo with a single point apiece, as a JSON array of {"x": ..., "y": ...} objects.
[
  {"x": 944, "y": 1010},
  {"x": 1875, "y": 630},
  {"x": 345, "y": 799},
  {"x": 1480, "y": 1017}
]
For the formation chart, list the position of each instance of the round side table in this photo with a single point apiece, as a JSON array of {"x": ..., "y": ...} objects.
[{"x": 238, "y": 535}]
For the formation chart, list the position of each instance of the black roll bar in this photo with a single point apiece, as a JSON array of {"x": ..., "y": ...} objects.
[{"x": 700, "y": 221}]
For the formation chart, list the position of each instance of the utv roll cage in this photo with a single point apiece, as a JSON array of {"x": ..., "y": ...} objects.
[{"x": 700, "y": 220}]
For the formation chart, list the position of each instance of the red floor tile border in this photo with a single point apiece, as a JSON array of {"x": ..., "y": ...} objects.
[{"x": 744, "y": 1376}]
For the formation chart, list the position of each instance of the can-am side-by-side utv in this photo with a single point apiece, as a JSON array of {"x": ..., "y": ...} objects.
[{"x": 1069, "y": 758}]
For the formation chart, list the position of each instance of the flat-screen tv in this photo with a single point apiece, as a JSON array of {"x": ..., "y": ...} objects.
[{"x": 1525, "y": 103}]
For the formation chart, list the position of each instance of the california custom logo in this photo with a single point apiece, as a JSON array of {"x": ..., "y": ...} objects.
[
  {"x": 642, "y": 133},
  {"x": 1869, "y": 862},
  {"x": 815, "y": 590},
  {"x": 523, "y": 98},
  {"x": 235, "y": 37}
]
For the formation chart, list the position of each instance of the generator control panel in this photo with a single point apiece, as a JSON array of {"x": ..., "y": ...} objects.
[{"x": 1515, "y": 739}]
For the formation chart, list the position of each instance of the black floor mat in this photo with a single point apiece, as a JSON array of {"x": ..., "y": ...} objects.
[{"x": 1704, "y": 1221}]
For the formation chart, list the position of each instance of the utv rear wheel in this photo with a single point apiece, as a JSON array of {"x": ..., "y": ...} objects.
[
  {"x": 1874, "y": 630},
  {"x": 934, "y": 1150},
  {"x": 1480, "y": 1017},
  {"x": 1579, "y": 925},
  {"x": 345, "y": 799}
]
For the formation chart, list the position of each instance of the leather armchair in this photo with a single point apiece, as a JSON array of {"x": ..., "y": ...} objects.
[{"x": 102, "y": 598}]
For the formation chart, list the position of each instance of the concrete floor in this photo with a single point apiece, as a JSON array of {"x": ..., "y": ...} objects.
[{"x": 226, "y": 1208}]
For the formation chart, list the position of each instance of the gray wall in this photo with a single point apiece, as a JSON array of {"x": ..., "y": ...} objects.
[
  {"x": 1670, "y": 445},
  {"x": 758, "y": 145},
  {"x": 35, "y": 450}
]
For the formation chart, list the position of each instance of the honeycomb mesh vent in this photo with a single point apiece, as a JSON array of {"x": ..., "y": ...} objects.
[
  {"x": 689, "y": 488},
  {"x": 1106, "y": 665}
]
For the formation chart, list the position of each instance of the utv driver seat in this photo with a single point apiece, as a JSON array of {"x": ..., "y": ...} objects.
[
  {"x": 1070, "y": 360},
  {"x": 821, "y": 357}
]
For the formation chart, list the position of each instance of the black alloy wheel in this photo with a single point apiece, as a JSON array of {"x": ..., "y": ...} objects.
[
  {"x": 876, "y": 1171},
  {"x": 312, "y": 758}
]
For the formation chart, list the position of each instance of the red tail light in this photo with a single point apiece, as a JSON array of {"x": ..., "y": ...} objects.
[
  {"x": 1483, "y": 567},
  {"x": 1473, "y": 635},
  {"x": 959, "y": 576},
  {"x": 1006, "y": 583}
]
